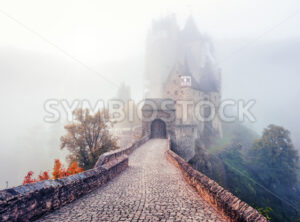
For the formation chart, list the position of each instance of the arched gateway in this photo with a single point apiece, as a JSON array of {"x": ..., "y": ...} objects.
[
  {"x": 158, "y": 129},
  {"x": 159, "y": 118}
]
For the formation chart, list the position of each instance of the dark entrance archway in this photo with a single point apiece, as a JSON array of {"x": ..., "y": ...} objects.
[{"x": 158, "y": 129}]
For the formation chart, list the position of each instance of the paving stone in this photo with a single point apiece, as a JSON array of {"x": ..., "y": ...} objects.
[{"x": 151, "y": 189}]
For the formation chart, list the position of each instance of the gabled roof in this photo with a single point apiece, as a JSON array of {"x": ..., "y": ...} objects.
[{"x": 208, "y": 81}]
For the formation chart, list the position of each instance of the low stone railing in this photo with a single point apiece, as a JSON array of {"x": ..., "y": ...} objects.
[
  {"x": 108, "y": 156},
  {"x": 31, "y": 201},
  {"x": 228, "y": 205}
]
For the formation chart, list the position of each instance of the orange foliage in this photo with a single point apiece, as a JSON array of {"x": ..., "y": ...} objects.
[
  {"x": 58, "y": 172},
  {"x": 28, "y": 179},
  {"x": 73, "y": 169},
  {"x": 44, "y": 176}
]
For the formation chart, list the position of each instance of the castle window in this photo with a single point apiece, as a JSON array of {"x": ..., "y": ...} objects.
[{"x": 186, "y": 81}]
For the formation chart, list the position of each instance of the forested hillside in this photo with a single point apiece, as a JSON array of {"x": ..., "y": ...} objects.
[{"x": 261, "y": 170}]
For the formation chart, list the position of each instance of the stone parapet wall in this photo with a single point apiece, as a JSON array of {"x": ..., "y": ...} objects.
[
  {"x": 31, "y": 201},
  {"x": 232, "y": 208},
  {"x": 108, "y": 156}
]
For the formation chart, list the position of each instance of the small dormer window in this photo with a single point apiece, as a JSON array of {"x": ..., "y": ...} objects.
[{"x": 186, "y": 81}]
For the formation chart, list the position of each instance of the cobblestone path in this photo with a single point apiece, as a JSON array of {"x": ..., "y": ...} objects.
[{"x": 151, "y": 189}]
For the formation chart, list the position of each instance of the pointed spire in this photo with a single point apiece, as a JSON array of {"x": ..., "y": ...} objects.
[
  {"x": 190, "y": 22},
  {"x": 190, "y": 29}
]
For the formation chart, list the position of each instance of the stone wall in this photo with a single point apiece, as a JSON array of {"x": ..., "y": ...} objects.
[
  {"x": 232, "y": 208},
  {"x": 187, "y": 113},
  {"x": 162, "y": 109},
  {"x": 30, "y": 201},
  {"x": 108, "y": 156},
  {"x": 185, "y": 140}
]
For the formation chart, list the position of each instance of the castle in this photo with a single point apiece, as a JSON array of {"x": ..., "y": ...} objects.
[
  {"x": 187, "y": 92},
  {"x": 180, "y": 65}
]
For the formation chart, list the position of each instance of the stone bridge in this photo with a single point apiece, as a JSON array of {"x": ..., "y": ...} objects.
[
  {"x": 145, "y": 181},
  {"x": 151, "y": 189}
]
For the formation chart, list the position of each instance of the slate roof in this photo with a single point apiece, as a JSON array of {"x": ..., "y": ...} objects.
[{"x": 207, "y": 83}]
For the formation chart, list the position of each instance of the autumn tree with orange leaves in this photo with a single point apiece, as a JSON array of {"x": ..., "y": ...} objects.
[
  {"x": 58, "y": 172},
  {"x": 88, "y": 137},
  {"x": 44, "y": 176},
  {"x": 73, "y": 169},
  {"x": 28, "y": 178}
]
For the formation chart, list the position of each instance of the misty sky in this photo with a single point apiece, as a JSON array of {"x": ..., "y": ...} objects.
[
  {"x": 111, "y": 30},
  {"x": 62, "y": 49}
]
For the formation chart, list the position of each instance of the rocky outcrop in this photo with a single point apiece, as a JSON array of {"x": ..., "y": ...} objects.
[
  {"x": 209, "y": 164},
  {"x": 232, "y": 208}
]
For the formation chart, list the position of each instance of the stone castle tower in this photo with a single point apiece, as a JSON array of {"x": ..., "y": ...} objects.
[
  {"x": 193, "y": 114},
  {"x": 180, "y": 65}
]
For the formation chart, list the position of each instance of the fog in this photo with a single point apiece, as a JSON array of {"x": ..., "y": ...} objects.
[
  {"x": 269, "y": 73},
  {"x": 75, "y": 50}
]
